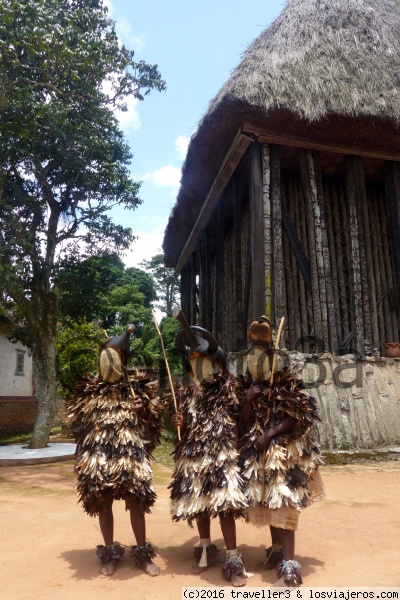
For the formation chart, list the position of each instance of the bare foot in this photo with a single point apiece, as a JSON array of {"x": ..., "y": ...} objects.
[
  {"x": 238, "y": 580},
  {"x": 107, "y": 569},
  {"x": 150, "y": 568},
  {"x": 196, "y": 569}
]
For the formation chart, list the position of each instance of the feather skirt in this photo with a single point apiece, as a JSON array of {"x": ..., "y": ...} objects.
[
  {"x": 291, "y": 458},
  {"x": 206, "y": 479},
  {"x": 114, "y": 443}
]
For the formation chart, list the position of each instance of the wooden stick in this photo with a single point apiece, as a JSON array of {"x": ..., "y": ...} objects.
[
  {"x": 130, "y": 385},
  {"x": 271, "y": 380},
  {"x": 167, "y": 366}
]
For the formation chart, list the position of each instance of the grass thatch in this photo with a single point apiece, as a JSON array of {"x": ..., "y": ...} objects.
[{"x": 331, "y": 66}]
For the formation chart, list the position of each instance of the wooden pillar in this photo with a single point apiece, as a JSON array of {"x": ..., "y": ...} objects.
[
  {"x": 267, "y": 206},
  {"x": 393, "y": 209},
  {"x": 184, "y": 290},
  {"x": 257, "y": 231},
  {"x": 313, "y": 214},
  {"x": 355, "y": 258},
  {"x": 219, "y": 275},
  {"x": 369, "y": 286},
  {"x": 193, "y": 290},
  {"x": 326, "y": 264},
  {"x": 277, "y": 248},
  {"x": 237, "y": 266},
  {"x": 202, "y": 283},
  {"x": 208, "y": 282}
]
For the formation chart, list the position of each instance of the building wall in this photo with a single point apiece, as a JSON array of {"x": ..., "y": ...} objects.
[
  {"x": 358, "y": 399},
  {"x": 12, "y": 384},
  {"x": 18, "y": 405}
]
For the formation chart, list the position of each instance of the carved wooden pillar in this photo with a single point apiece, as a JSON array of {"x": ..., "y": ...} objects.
[
  {"x": 313, "y": 214},
  {"x": 237, "y": 272},
  {"x": 257, "y": 232},
  {"x": 267, "y": 209},
  {"x": 325, "y": 255},
  {"x": 278, "y": 268},
  {"x": 393, "y": 208},
  {"x": 357, "y": 303}
]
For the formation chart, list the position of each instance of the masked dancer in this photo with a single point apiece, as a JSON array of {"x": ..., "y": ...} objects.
[
  {"x": 279, "y": 454},
  {"x": 117, "y": 423},
  {"x": 206, "y": 481}
]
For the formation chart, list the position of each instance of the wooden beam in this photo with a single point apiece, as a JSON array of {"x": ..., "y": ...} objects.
[
  {"x": 229, "y": 164},
  {"x": 257, "y": 231},
  {"x": 269, "y": 137}
]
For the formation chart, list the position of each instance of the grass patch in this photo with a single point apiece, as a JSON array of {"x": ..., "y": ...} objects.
[
  {"x": 21, "y": 438},
  {"x": 162, "y": 454}
]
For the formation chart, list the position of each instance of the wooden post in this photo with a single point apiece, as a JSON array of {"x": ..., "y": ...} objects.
[
  {"x": 278, "y": 270},
  {"x": 267, "y": 230},
  {"x": 393, "y": 211},
  {"x": 257, "y": 231},
  {"x": 237, "y": 262},
  {"x": 208, "y": 286},
  {"x": 315, "y": 248},
  {"x": 370, "y": 285},
  {"x": 202, "y": 283},
  {"x": 326, "y": 264},
  {"x": 219, "y": 274},
  {"x": 333, "y": 263},
  {"x": 355, "y": 257}
]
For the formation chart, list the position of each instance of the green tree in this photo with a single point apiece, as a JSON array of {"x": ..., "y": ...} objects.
[
  {"x": 78, "y": 344},
  {"x": 167, "y": 282},
  {"x": 63, "y": 159}
]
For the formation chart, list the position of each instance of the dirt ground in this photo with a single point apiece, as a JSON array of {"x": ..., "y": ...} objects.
[{"x": 48, "y": 543}]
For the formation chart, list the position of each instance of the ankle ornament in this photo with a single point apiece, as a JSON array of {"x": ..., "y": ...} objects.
[
  {"x": 205, "y": 556},
  {"x": 112, "y": 553},
  {"x": 142, "y": 554},
  {"x": 290, "y": 570},
  {"x": 233, "y": 565},
  {"x": 273, "y": 556}
]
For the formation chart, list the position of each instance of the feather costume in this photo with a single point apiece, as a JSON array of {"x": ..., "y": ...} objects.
[
  {"x": 206, "y": 477},
  {"x": 292, "y": 458},
  {"x": 114, "y": 443}
]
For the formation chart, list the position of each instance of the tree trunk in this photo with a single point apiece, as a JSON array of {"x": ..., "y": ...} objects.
[{"x": 44, "y": 369}]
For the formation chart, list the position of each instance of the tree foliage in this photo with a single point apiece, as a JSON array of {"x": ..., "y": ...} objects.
[
  {"x": 63, "y": 159},
  {"x": 167, "y": 282}
]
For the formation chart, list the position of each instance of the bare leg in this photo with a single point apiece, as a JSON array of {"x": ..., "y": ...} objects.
[
  {"x": 228, "y": 528},
  {"x": 204, "y": 529},
  {"x": 203, "y": 526},
  {"x": 106, "y": 521},
  {"x": 273, "y": 554},
  {"x": 286, "y": 538},
  {"x": 138, "y": 524}
]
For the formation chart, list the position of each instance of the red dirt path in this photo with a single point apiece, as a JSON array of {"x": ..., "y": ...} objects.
[{"x": 48, "y": 543}]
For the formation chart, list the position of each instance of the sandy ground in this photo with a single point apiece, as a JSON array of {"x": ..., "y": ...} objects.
[{"x": 48, "y": 543}]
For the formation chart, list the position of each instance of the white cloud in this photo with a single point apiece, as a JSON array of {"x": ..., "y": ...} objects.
[
  {"x": 181, "y": 146},
  {"x": 132, "y": 40},
  {"x": 145, "y": 247},
  {"x": 168, "y": 176},
  {"x": 129, "y": 120}
]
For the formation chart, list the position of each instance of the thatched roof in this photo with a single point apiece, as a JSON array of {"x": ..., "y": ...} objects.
[{"x": 331, "y": 66}]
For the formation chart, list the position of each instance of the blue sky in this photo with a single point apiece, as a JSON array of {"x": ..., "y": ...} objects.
[{"x": 196, "y": 45}]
